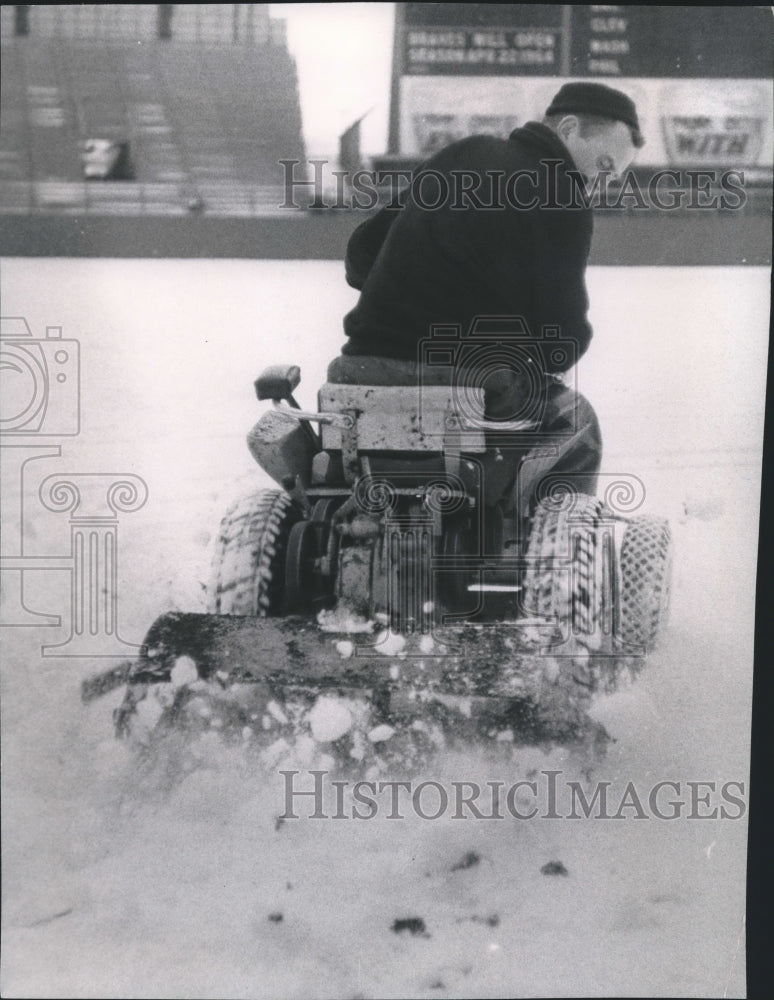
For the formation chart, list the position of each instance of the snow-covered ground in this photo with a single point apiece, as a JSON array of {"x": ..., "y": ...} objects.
[{"x": 112, "y": 889}]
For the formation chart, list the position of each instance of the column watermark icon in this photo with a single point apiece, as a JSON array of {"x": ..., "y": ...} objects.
[{"x": 41, "y": 401}]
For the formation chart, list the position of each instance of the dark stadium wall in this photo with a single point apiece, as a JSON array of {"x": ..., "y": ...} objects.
[{"x": 620, "y": 239}]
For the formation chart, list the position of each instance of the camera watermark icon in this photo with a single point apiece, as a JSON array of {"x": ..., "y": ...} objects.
[
  {"x": 500, "y": 374},
  {"x": 39, "y": 402},
  {"x": 40, "y": 381}
]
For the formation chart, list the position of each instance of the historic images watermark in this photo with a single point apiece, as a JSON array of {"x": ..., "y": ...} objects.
[
  {"x": 41, "y": 402},
  {"x": 549, "y": 794},
  {"x": 664, "y": 190}
]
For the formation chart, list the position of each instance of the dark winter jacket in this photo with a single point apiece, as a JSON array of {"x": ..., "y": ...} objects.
[{"x": 417, "y": 267}]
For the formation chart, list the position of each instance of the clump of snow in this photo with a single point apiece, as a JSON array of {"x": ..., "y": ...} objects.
[
  {"x": 390, "y": 643},
  {"x": 184, "y": 672},
  {"x": 329, "y": 719},
  {"x": 343, "y": 619},
  {"x": 276, "y": 712},
  {"x": 147, "y": 714},
  {"x": 345, "y": 648},
  {"x": 379, "y": 734}
]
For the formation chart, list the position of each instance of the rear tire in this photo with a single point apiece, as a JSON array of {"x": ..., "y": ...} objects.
[
  {"x": 569, "y": 577},
  {"x": 248, "y": 567},
  {"x": 646, "y": 569}
]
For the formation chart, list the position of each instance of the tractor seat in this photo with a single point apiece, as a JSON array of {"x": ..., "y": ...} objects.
[{"x": 401, "y": 405}]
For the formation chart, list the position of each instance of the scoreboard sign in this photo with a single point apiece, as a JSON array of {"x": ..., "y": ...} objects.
[
  {"x": 587, "y": 40},
  {"x": 687, "y": 42},
  {"x": 701, "y": 76},
  {"x": 469, "y": 50},
  {"x": 481, "y": 39}
]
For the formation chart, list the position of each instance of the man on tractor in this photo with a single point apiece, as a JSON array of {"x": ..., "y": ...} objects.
[{"x": 492, "y": 242}]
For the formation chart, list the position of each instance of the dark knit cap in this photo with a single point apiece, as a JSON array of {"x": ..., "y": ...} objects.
[{"x": 597, "y": 99}]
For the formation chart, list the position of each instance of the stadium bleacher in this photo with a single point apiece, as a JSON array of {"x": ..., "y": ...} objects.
[{"x": 207, "y": 114}]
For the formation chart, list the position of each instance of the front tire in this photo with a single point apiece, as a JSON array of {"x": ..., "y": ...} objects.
[
  {"x": 248, "y": 568},
  {"x": 570, "y": 576}
]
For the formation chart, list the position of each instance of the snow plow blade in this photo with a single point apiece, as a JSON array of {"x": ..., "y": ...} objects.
[
  {"x": 296, "y": 650},
  {"x": 479, "y": 672}
]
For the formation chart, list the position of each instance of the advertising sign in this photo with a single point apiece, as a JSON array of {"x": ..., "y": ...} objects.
[{"x": 725, "y": 123}]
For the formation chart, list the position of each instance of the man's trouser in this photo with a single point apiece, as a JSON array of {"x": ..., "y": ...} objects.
[{"x": 563, "y": 444}]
